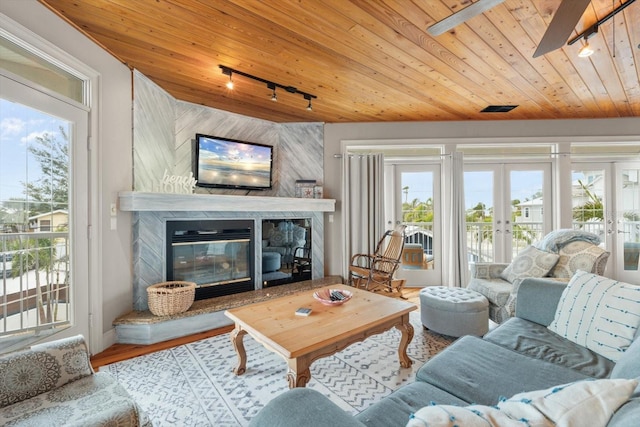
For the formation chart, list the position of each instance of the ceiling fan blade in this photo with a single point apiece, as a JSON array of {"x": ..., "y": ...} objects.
[
  {"x": 563, "y": 23},
  {"x": 461, "y": 16}
]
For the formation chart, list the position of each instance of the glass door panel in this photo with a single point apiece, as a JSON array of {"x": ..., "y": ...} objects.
[
  {"x": 479, "y": 202},
  {"x": 627, "y": 223},
  {"x": 588, "y": 198},
  {"x": 417, "y": 188},
  {"x": 527, "y": 216}
]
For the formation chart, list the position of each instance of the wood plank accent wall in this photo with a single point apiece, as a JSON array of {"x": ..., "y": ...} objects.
[{"x": 164, "y": 132}]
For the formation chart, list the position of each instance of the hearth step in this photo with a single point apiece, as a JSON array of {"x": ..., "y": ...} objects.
[{"x": 142, "y": 327}]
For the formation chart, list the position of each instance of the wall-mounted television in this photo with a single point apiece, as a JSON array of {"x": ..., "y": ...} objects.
[{"x": 231, "y": 163}]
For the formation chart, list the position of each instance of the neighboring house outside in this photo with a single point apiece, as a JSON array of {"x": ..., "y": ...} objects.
[
  {"x": 49, "y": 221},
  {"x": 530, "y": 211}
]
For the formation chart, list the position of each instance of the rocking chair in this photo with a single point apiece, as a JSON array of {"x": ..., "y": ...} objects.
[{"x": 374, "y": 272}]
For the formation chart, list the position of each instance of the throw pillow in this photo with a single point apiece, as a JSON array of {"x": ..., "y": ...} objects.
[
  {"x": 278, "y": 238},
  {"x": 530, "y": 262},
  {"x": 598, "y": 313},
  {"x": 565, "y": 405},
  {"x": 580, "y": 255}
]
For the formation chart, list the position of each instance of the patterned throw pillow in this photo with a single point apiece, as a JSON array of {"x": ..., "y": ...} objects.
[
  {"x": 598, "y": 313},
  {"x": 580, "y": 255},
  {"x": 278, "y": 238},
  {"x": 531, "y": 262},
  {"x": 564, "y": 405}
]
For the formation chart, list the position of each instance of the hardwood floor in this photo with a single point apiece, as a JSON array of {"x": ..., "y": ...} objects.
[{"x": 119, "y": 352}]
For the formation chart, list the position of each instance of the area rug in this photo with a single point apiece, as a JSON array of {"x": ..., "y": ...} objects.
[{"x": 193, "y": 384}]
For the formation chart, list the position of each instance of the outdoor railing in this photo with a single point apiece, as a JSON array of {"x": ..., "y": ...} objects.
[
  {"x": 34, "y": 281},
  {"x": 480, "y": 236}
]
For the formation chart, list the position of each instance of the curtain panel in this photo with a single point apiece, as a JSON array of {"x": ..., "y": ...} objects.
[
  {"x": 363, "y": 204},
  {"x": 456, "y": 272}
]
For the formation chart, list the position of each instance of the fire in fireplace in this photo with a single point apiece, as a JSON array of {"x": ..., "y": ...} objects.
[{"x": 218, "y": 255}]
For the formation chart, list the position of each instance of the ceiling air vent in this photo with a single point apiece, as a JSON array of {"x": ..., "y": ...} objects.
[{"x": 498, "y": 108}]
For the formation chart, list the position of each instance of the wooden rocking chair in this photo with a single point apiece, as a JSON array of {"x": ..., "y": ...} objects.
[{"x": 374, "y": 272}]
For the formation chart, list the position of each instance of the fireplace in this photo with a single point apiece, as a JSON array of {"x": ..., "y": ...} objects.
[
  {"x": 218, "y": 255},
  {"x": 152, "y": 211}
]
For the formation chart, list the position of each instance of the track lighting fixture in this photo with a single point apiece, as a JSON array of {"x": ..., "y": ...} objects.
[
  {"x": 228, "y": 72},
  {"x": 274, "y": 97},
  {"x": 585, "y": 51},
  {"x": 270, "y": 85}
]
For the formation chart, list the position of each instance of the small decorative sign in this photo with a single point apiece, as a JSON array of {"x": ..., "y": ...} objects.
[{"x": 176, "y": 184}]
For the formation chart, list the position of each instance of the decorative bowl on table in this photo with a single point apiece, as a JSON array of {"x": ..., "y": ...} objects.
[{"x": 332, "y": 296}]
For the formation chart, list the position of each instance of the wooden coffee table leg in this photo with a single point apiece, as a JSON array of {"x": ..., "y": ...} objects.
[
  {"x": 299, "y": 373},
  {"x": 237, "y": 336},
  {"x": 407, "y": 335}
]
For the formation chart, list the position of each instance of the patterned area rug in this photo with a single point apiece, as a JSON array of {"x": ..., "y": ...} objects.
[{"x": 193, "y": 384}]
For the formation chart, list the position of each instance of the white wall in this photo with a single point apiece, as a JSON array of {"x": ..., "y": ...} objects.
[
  {"x": 336, "y": 136},
  {"x": 111, "y": 130}
]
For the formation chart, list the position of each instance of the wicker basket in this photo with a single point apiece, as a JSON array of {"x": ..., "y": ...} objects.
[{"x": 169, "y": 298}]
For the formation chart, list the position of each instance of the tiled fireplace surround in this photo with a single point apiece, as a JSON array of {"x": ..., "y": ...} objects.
[{"x": 150, "y": 213}]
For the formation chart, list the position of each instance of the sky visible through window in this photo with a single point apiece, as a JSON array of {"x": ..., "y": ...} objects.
[
  {"x": 477, "y": 186},
  {"x": 19, "y": 127}
]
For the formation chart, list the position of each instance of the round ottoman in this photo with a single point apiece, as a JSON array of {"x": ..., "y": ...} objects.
[
  {"x": 454, "y": 311},
  {"x": 270, "y": 262}
]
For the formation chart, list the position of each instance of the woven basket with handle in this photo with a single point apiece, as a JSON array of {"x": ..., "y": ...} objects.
[{"x": 169, "y": 298}]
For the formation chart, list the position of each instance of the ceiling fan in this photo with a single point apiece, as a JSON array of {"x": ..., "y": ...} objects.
[
  {"x": 563, "y": 23},
  {"x": 461, "y": 16}
]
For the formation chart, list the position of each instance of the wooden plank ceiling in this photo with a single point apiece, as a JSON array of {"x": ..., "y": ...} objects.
[{"x": 370, "y": 60}]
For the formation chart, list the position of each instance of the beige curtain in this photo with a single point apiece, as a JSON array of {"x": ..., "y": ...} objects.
[
  {"x": 362, "y": 204},
  {"x": 456, "y": 273}
]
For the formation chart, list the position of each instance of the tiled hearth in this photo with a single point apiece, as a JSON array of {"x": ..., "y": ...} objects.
[{"x": 142, "y": 327}]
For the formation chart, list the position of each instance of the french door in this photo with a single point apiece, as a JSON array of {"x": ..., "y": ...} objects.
[
  {"x": 415, "y": 191},
  {"x": 606, "y": 201},
  {"x": 508, "y": 207},
  {"x": 54, "y": 261}
]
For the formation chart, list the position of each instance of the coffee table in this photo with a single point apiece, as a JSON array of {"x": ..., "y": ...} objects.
[{"x": 329, "y": 329}]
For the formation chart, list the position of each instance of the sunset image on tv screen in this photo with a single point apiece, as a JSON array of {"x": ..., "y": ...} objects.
[{"x": 233, "y": 163}]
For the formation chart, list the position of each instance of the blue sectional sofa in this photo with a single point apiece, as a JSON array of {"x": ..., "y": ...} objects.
[{"x": 520, "y": 355}]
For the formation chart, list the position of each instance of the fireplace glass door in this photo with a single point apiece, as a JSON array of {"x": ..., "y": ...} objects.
[
  {"x": 217, "y": 255},
  {"x": 212, "y": 262}
]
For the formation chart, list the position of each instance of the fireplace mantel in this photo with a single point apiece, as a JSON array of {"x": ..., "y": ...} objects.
[{"x": 136, "y": 201}]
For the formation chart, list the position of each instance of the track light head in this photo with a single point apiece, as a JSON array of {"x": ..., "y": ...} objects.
[
  {"x": 272, "y": 86},
  {"x": 585, "y": 51},
  {"x": 228, "y": 72},
  {"x": 308, "y": 98}
]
